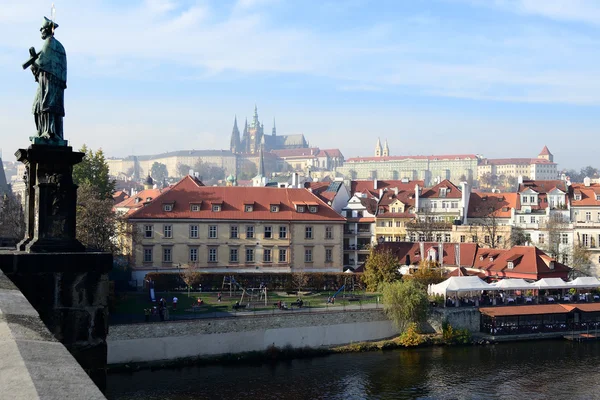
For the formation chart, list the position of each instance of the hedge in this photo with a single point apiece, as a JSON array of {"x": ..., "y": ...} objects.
[{"x": 166, "y": 281}]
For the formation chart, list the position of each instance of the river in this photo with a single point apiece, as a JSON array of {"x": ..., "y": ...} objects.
[{"x": 522, "y": 370}]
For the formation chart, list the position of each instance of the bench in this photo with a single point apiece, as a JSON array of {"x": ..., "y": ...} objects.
[
  {"x": 238, "y": 306},
  {"x": 298, "y": 304}
]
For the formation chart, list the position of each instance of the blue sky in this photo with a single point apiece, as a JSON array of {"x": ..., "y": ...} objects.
[{"x": 501, "y": 78}]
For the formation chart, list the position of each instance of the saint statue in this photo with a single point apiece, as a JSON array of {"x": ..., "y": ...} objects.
[{"x": 49, "y": 67}]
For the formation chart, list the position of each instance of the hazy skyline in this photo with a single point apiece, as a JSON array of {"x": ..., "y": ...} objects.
[{"x": 501, "y": 78}]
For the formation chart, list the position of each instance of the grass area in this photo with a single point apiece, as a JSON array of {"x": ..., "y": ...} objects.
[{"x": 135, "y": 302}]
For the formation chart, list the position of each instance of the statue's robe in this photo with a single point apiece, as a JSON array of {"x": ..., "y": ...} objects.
[{"x": 48, "y": 106}]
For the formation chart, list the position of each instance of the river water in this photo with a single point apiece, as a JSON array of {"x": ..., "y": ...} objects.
[{"x": 556, "y": 369}]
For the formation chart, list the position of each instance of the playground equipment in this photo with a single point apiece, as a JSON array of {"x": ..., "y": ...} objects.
[
  {"x": 339, "y": 290},
  {"x": 233, "y": 285}
]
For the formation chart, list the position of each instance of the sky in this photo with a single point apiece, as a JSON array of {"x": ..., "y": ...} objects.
[{"x": 500, "y": 78}]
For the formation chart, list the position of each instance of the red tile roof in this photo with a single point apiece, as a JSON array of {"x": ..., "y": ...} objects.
[
  {"x": 514, "y": 161},
  {"x": 542, "y": 186},
  {"x": 527, "y": 310},
  {"x": 453, "y": 191},
  {"x": 331, "y": 153},
  {"x": 188, "y": 191},
  {"x": 410, "y": 252},
  {"x": 430, "y": 158},
  {"x": 588, "y": 194},
  {"x": 492, "y": 205},
  {"x": 119, "y": 196},
  {"x": 300, "y": 153},
  {"x": 529, "y": 263},
  {"x": 545, "y": 152},
  {"x": 369, "y": 185},
  {"x": 140, "y": 199}
]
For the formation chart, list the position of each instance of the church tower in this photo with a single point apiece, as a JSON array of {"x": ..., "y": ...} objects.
[
  {"x": 245, "y": 139},
  {"x": 274, "y": 131},
  {"x": 546, "y": 155},
  {"x": 386, "y": 149},
  {"x": 255, "y": 132},
  {"x": 235, "y": 146},
  {"x": 378, "y": 148}
]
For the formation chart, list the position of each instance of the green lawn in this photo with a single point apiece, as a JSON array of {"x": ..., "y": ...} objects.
[{"x": 135, "y": 302}]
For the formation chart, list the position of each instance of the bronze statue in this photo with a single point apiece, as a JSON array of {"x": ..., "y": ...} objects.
[{"x": 49, "y": 67}]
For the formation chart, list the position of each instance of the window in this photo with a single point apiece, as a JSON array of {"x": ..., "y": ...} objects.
[
  {"x": 462, "y": 238},
  {"x": 308, "y": 232},
  {"x": 195, "y": 207},
  {"x": 212, "y": 231},
  {"x": 168, "y": 207},
  {"x": 588, "y": 216},
  {"x": 168, "y": 231},
  {"x": 193, "y": 254},
  {"x": 216, "y": 207},
  {"x": 522, "y": 219},
  {"x": 585, "y": 240},
  {"x": 398, "y": 224},
  {"x": 564, "y": 238},
  {"x": 474, "y": 238},
  {"x": 524, "y": 200},
  {"x": 267, "y": 255},
  {"x": 300, "y": 209},
  {"x": 147, "y": 254},
  {"x": 167, "y": 254},
  {"x": 308, "y": 255},
  {"x": 499, "y": 240},
  {"x": 389, "y": 224},
  {"x": 194, "y": 231},
  {"x": 249, "y": 255},
  {"x": 510, "y": 265},
  {"x": 565, "y": 259},
  {"x": 212, "y": 254},
  {"x": 274, "y": 208},
  {"x": 598, "y": 197},
  {"x": 447, "y": 238},
  {"x": 233, "y": 231},
  {"x": 421, "y": 237},
  {"x": 532, "y": 220},
  {"x": 393, "y": 209},
  {"x": 282, "y": 232},
  {"x": 233, "y": 255},
  {"x": 532, "y": 199},
  {"x": 541, "y": 238},
  {"x": 249, "y": 232},
  {"x": 577, "y": 197},
  {"x": 282, "y": 255},
  {"x": 454, "y": 204},
  {"x": 268, "y": 232},
  {"x": 329, "y": 232},
  {"x": 248, "y": 208},
  {"x": 328, "y": 255},
  {"x": 148, "y": 231},
  {"x": 486, "y": 239},
  {"x": 313, "y": 209}
]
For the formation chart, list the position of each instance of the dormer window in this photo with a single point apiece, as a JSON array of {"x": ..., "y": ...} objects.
[
  {"x": 195, "y": 207},
  {"x": 578, "y": 197},
  {"x": 137, "y": 200},
  {"x": 248, "y": 208},
  {"x": 148, "y": 199},
  {"x": 313, "y": 209},
  {"x": 167, "y": 207},
  {"x": 491, "y": 259},
  {"x": 274, "y": 208},
  {"x": 598, "y": 197},
  {"x": 551, "y": 265},
  {"x": 443, "y": 192},
  {"x": 216, "y": 207},
  {"x": 300, "y": 209},
  {"x": 510, "y": 265}
]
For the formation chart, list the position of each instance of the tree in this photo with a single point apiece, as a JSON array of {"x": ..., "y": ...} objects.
[
  {"x": 424, "y": 226},
  {"x": 93, "y": 172},
  {"x": 209, "y": 172},
  {"x": 381, "y": 267},
  {"x": 191, "y": 276},
  {"x": 183, "y": 169},
  {"x": 517, "y": 236},
  {"x": 159, "y": 172},
  {"x": 581, "y": 263},
  {"x": 96, "y": 221},
  {"x": 12, "y": 218},
  {"x": 588, "y": 171},
  {"x": 429, "y": 272},
  {"x": 247, "y": 170},
  {"x": 299, "y": 279},
  {"x": 490, "y": 226},
  {"x": 405, "y": 303},
  {"x": 556, "y": 225}
]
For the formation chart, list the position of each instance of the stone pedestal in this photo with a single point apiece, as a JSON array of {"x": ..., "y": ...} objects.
[
  {"x": 70, "y": 293},
  {"x": 51, "y": 199},
  {"x": 65, "y": 284}
]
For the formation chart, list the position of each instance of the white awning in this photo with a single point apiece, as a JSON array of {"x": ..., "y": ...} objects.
[
  {"x": 551, "y": 283},
  {"x": 590, "y": 282},
  {"x": 456, "y": 284},
  {"x": 513, "y": 284}
]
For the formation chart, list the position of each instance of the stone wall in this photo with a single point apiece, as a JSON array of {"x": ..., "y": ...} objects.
[
  {"x": 459, "y": 318},
  {"x": 180, "y": 339},
  {"x": 35, "y": 364}
]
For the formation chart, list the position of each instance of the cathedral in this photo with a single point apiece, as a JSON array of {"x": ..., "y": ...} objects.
[{"x": 254, "y": 139}]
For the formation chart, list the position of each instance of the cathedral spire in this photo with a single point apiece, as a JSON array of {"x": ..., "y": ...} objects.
[
  {"x": 235, "y": 137},
  {"x": 255, "y": 123},
  {"x": 274, "y": 132},
  {"x": 386, "y": 149},
  {"x": 378, "y": 148},
  {"x": 261, "y": 163}
]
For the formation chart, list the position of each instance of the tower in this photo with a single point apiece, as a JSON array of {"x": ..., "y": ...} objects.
[
  {"x": 245, "y": 139},
  {"x": 546, "y": 155},
  {"x": 234, "y": 146},
  {"x": 255, "y": 133},
  {"x": 378, "y": 148},
  {"x": 386, "y": 149},
  {"x": 148, "y": 183},
  {"x": 274, "y": 131}
]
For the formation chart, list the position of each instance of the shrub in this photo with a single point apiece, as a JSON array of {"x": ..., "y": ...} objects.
[
  {"x": 455, "y": 336},
  {"x": 411, "y": 337}
]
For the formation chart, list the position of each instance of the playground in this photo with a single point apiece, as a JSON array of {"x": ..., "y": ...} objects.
[{"x": 233, "y": 298}]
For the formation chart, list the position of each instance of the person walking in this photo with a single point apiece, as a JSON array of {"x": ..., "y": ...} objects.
[
  {"x": 219, "y": 297},
  {"x": 175, "y": 300}
]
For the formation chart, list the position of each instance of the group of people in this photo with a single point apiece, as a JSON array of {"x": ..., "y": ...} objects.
[{"x": 161, "y": 309}]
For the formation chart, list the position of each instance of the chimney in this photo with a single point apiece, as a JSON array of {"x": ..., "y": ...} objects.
[
  {"x": 396, "y": 191},
  {"x": 417, "y": 198},
  {"x": 441, "y": 254},
  {"x": 587, "y": 181},
  {"x": 375, "y": 184},
  {"x": 422, "y": 251},
  {"x": 466, "y": 196},
  {"x": 295, "y": 180},
  {"x": 380, "y": 193},
  {"x": 520, "y": 180},
  {"x": 191, "y": 172}
]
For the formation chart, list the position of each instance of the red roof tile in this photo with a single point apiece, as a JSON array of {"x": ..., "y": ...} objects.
[
  {"x": 529, "y": 262},
  {"x": 369, "y": 185},
  {"x": 188, "y": 191},
  {"x": 300, "y": 153},
  {"x": 453, "y": 191},
  {"x": 492, "y": 205},
  {"x": 431, "y": 158},
  {"x": 588, "y": 194},
  {"x": 410, "y": 252},
  {"x": 140, "y": 199},
  {"x": 545, "y": 152}
]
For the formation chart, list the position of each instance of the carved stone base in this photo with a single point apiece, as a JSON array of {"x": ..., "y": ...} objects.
[{"x": 51, "y": 199}]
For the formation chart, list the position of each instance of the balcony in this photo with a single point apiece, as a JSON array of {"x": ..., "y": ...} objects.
[
  {"x": 359, "y": 247},
  {"x": 382, "y": 230},
  {"x": 587, "y": 224}
]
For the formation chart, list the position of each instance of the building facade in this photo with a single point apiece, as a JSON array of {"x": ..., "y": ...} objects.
[
  {"x": 236, "y": 229},
  {"x": 585, "y": 214}
]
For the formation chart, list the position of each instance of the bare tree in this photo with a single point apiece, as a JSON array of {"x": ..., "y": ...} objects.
[
  {"x": 556, "y": 225},
  {"x": 489, "y": 228},
  {"x": 190, "y": 275},
  {"x": 424, "y": 226},
  {"x": 12, "y": 219},
  {"x": 299, "y": 279},
  {"x": 581, "y": 263}
]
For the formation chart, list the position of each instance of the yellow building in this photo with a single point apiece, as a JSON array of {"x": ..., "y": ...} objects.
[{"x": 236, "y": 229}]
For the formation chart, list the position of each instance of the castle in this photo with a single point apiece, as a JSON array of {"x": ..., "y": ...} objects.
[{"x": 254, "y": 138}]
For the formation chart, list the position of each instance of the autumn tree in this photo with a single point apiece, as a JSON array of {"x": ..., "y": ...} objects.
[
  {"x": 96, "y": 221},
  {"x": 190, "y": 275},
  {"x": 517, "y": 236},
  {"x": 93, "y": 172},
  {"x": 429, "y": 272},
  {"x": 405, "y": 303},
  {"x": 581, "y": 263},
  {"x": 381, "y": 267},
  {"x": 299, "y": 279}
]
